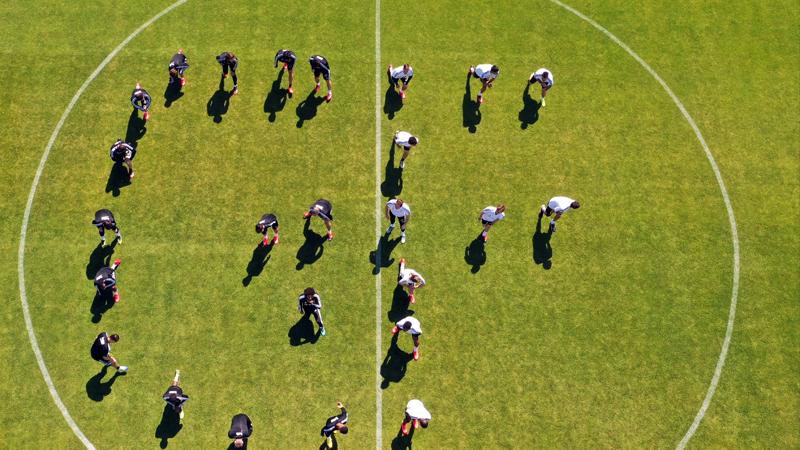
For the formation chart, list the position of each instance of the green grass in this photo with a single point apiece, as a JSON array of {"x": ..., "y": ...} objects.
[{"x": 613, "y": 346}]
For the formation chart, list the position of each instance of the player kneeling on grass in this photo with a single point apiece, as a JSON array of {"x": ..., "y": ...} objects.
[
  {"x": 101, "y": 351},
  {"x": 229, "y": 62},
  {"x": 489, "y": 216},
  {"x": 558, "y": 205},
  {"x": 241, "y": 429},
  {"x": 123, "y": 152},
  {"x": 310, "y": 302},
  {"x": 320, "y": 66},
  {"x": 487, "y": 73},
  {"x": 397, "y": 209},
  {"x": 410, "y": 279},
  {"x": 401, "y": 74},
  {"x": 178, "y": 65},
  {"x": 174, "y": 396},
  {"x": 288, "y": 58},
  {"x": 406, "y": 140},
  {"x": 415, "y": 411},
  {"x": 411, "y": 326},
  {"x": 334, "y": 424},
  {"x": 104, "y": 220},
  {"x": 105, "y": 280},
  {"x": 324, "y": 210},
  {"x": 268, "y": 221},
  {"x": 141, "y": 100},
  {"x": 545, "y": 78}
]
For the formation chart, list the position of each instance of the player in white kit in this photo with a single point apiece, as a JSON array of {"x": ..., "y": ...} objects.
[
  {"x": 400, "y": 210},
  {"x": 487, "y": 73},
  {"x": 406, "y": 140},
  {"x": 545, "y": 78},
  {"x": 402, "y": 74},
  {"x": 489, "y": 216},
  {"x": 415, "y": 411},
  {"x": 411, "y": 326},
  {"x": 557, "y": 205},
  {"x": 410, "y": 279}
]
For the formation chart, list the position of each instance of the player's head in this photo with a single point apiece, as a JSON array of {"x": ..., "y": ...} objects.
[
  {"x": 309, "y": 292},
  {"x": 545, "y": 74},
  {"x": 260, "y": 227},
  {"x": 399, "y": 202},
  {"x": 413, "y": 140},
  {"x": 173, "y": 396},
  {"x": 406, "y": 67},
  {"x": 406, "y": 326},
  {"x": 501, "y": 208},
  {"x": 138, "y": 86},
  {"x": 341, "y": 428},
  {"x": 424, "y": 423},
  {"x": 575, "y": 205},
  {"x": 113, "y": 338},
  {"x": 229, "y": 56},
  {"x": 238, "y": 443},
  {"x": 495, "y": 69},
  {"x": 180, "y": 51}
]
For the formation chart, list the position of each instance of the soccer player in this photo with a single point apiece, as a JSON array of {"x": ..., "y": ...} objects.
[
  {"x": 268, "y": 221},
  {"x": 406, "y": 140},
  {"x": 404, "y": 74},
  {"x": 323, "y": 209},
  {"x": 320, "y": 66},
  {"x": 178, "y": 65},
  {"x": 489, "y": 216},
  {"x": 241, "y": 429},
  {"x": 558, "y": 205},
  {"x": 545, "y": 78},
  {"x": 229, "y": 62},
  {"x": 310, "y": 303},
  {"x": 106, "y": 279},
  {"x": 334, "y": 424},
  {"x": 487, "y": 73},
  {"x": 288, "y": 58},
  {"x": 409, "y": 278},
  {"x": 141, "y": 100},
  {"x": 398, "y": 209},
  {"x": 415, "y": 411},
  {"x": 123, "y": 152},
  {"x": 101, "y": 351},
  {"x": 104, "y": 220},
  {"x": 175, "y": 396},
  {"x": 411, "y": 326}
]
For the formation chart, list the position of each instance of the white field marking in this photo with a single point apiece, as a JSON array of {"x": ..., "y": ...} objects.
[
  {"x": 378, "y": 217},
  {"x": 23, "y": 233},
  {"x": 712, "y": 388}
]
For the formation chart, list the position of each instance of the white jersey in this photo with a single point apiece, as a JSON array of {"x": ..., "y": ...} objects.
[
  {"x": 398, "y": 73},
  {"x": 538, "y": 77},
  {"x": 416, "y": 410},
  {"x": 403, "y": 211},
  {"x": 560, "y": 204},
  {"x": 415, "y": 326},
  {"x": 405, "y": 277},
  {"x": 484, "y": 72},
  {"x": 402, "y": 137},
  {"x": 490, "y": 214}
]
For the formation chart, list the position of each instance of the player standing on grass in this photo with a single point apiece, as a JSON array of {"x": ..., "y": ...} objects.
[
  {"x": 410, "y": 279},
  {"x": 101, "y": 351},
  {"x": 406, "y": 140},
  {"x": 545, "y": 78},
  {"x": 558, "y": 205},
  {"x": 398, "y": 209},
  {"x": 324, "y": 210},
  {"x": 415, "y": 411},
  {"x": 175, "y": 396},
  {"x": 178, "y": 65},
  {"x": 489, "y": 216},
  {"x": 487, "y": 73},
  {"x": 123, "y": 152},
  {"x": 268, "y": 221},
  {"x": 104, "y": 220},
  {"x": 241, "y": 429},
  {"x": 401, "y": 74},
  {"x": 288, "y": 58},
  {"x": 106, "y": 279},
  {"x": 229, "y": 62},
  {"x": 141, "y": 100},
  {"x": 310, "y": 302},
  {"x": 334, "y": 424},
  {"x": 320, "y": 66},
  {"x": 411, "y": 326}
]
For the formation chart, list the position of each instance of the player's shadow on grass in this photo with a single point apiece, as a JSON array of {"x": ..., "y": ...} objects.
[
  {"x": 475, "y": 254},
  {"x": 303, "y": 332},
  {"x": 471, "y": 109},
  {"x": 307, "y": 109},
  {"x": 118, "y": 178},
  {"x": 382, "y": 255},
  {"x": 172, "y": 93},
  {"x": 99, "y": 258},
  {"x": 219, "y": 102},
  {"x": 136, "y": 128},
  {"x": 169, "y": 427},
  {"x": 276, "y": 99},
  {"x": 312, "y": 248},
  {"x": 96, "y": 389},
  {"x": 542, "y": 251},
  {"x": 530, "y": 109},
  {"x": 392, "y": 184},
  {"x": 400, "y": 303},
  {"x": 394, "y": 364},
  {"x": 392, "y": 103},
  {"x": 256, "y": 265},
  {"x": 401, "y": 442},
  {"x": 103, "y": 301}
]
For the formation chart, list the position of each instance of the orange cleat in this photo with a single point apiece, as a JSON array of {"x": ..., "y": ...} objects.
[
  {"x": 395, "y": 330},
  {"x": 330, "y": 235},
  {"x": 276, "y": 240},
  {"x": 412, "y": 299},
  {"x": 416, "y": 355},
  {"x": 183, "y": 82},
  {"x": 146, "y": 115},
  {"x": 404, "y": 428},
  {"x": 116, "y": 297},
  {"x": 328, "y": 97}
]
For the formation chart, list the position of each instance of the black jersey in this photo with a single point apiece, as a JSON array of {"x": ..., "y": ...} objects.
[
  {"x": 175, "y": 396},
  {"x": 304, "y": 303},
  {"x": 178, "y": 62},
  {"x": 241, "y": 427},
  {"x": 267, "y": 221},
  {"x": 105, "y": 278},
  {"x": 104, "y": 219},
  {"x": 319, "y": 63},
  {"x": 330, "y": 425},
  {"x": 285, "y": 56},
  {"x": 120, "y": 151},
  {"x": 323, "y": 208},
  {"x": 101, "y": 347},
  {"x": 228, "y": 59}
]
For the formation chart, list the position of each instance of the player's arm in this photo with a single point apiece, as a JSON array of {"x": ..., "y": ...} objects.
[
  {"x": 316, "y": 300},
  {"x": 408, "y": 218}
]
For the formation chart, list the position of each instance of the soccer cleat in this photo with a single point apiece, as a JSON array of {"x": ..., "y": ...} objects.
[
  {"x": 122, "y": 369},
  {"x": 306, "y": 215},
  {"x": 544, "y": 103},
  {"x": 329, "y": 442},
  {"x": 330, "y": 235},
  {"x": 471, "y": 70},
  {"x": 552, "y": 227},
  {"x": 181, "y": 415},
  {"x": 390, "y": 229},
  {"x": 485, "y": 237},
  {"x": 395, "y": 329},
  {"x": 147, "y": 115},
  {"x": 404, "y": 428},
  {"x": 416, "y": 355},
  {"x": 403, "y": 95},
  {"x": 103, "y": 242},
  {"x": 402, "y": 164},
  {"x": 403, "y": 238},
  {"x": 329, "y": 97},
  {"x": 276, "y": 240},
  {"x": 290, "y": 90},
  {"x": 116, "y": 297},
  {"x": 285, "y": 66},
  {"x": 416, "y": 423},
  {"x": 480, "y": 100},
  {"x": 322, "y": 331},
  {"x": 131, "y": 174},
  {"x": 541, "y": 211},
  {"x": 235, "y": 90},
  {"x": 316, "y": 88},
  {"x": 117, "y": 262},
  {"x": 183, "y": 82},
  {"x": 265, "y": 241},
  {"x": 412, "y": 299},
  {"x": 402, "y": 262},
  {"x": 119, "y": 239}
]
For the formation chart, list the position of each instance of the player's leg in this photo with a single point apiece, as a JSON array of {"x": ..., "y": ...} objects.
[
  {"x": 235, "y": 82},
  {"x": 102, "y": 230},
  {"x": 317, "y": 73},
  {"x": 290, "y": 89},
  {"x": 119, "y": 234},
  {"x": 544, "y": 93},
  {"x": 402, "y": 229},
  {"x": 128, "y": 162},
  {"x": 404, "y": 428},
  {"x": 327, "y": 77},
  {"x": 224, "y": 70},
  {"x": 275, "y": 237},
  {"x": 406, "y": 152},
  {"x": 391, "y": 223},
  {"x": 486, "y": 227},
  {"x": 329, "y": 226},
  {"x": 415, "y": 338},
  {"x": 318, "y": 317}
]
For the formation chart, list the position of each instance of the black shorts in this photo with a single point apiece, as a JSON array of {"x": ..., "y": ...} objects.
[
  {"x": 396, "y": 81},
  {"x": 289, "y": 63},
  {"x": 401, "y": 219},
  {"x": 548, "y": 211},
  {"x": 486, "y": 222},
  {"x": 326, "y": 74}
]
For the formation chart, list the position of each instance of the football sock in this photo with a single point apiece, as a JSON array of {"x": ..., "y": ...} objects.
[{"x": 483, "y": 233}]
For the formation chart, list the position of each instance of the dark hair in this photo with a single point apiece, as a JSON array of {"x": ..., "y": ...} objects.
[
  {"x": 495, "y": 69},
  {"x": 309, "y": 291},
  {"x": 173, "y": 395},
  {"x": 412, "y": 140},
  {"x": 259, "y": 228},
  {"x": 546, "y": 74},
  {"x": 575, "y": 205},
  {"x": 344, "y": 429},
  {"x": 114, "y": 337},
  {"x": 424, "y": 423},
  {"x": 407, "y": 326}
]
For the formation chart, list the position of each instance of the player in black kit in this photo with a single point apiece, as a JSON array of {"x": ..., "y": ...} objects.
[
  {"x": 105, "y": 280},
  {"x": 268, "y": 221},
  {"x": 104, "y": 220},
  {"x": 334, "y": 424},
  {"x": 288, "y": 58},
  {"x": 178, "y": 65},
  {"x": 320, "y": 66},
  {"x": 123, "y": 152},
  {"x": 323, "y": 209},
  {"x": 309, "y": 303},
  {"x": 229, "y": 62},
  {"x": 174, "y": 396},
  {"x": 141, "y": 100},
  {"x": 241, "y": 429},
  {"x": 101, "y": 351}
]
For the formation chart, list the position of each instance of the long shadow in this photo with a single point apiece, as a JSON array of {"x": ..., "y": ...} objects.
[
  {"x": 312, "y": 248},
  {"x": 257, "y": 262},
  {"x": 96, "y": 389},
  {"x": 302, "y": 332},
  {"x": 530, "y": 109},
  {"x": 542, "y": 251},
  {"x": 219, "y": 102},
  {"x": 100, "y": 257},
  {"x": 384, "y": 249},
  {"x": 101, "y": 304},
  {"x": 401, "y": 442},
  {"x": 475, "y": 254},
  {"x": 392, "y": 184},
  {"x": 136, "y": 130},
  {"x": 400, "y": 304},
  {"x": 276, "y": 99},
  {"x": 172, "y": 93},
  {"x": 169, "y": 427},
  {"x": 395, "y": 364},
  {"x": 392, "y": 103},
  {"x": 324, "y": 445},
  {"x": 118, "y": 178},
  {"x": 307, "y": 109},
  {"x": 471, "y": 110}
]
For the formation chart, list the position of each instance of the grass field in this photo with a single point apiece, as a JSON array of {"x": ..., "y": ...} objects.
[{"x": 602, "y": 335}]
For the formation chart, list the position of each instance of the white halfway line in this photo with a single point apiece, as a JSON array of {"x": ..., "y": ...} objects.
[
  {"x": 712, "y": 387},
  {"x": 23, "y": 233},
  {"x": 378, "y": 217}
]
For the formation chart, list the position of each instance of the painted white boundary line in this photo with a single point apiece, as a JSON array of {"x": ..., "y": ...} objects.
[
  {"x": 378, "y": 218},
  {"x": 23, "y": 233},
  {"x": 712, "y": 388}
]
